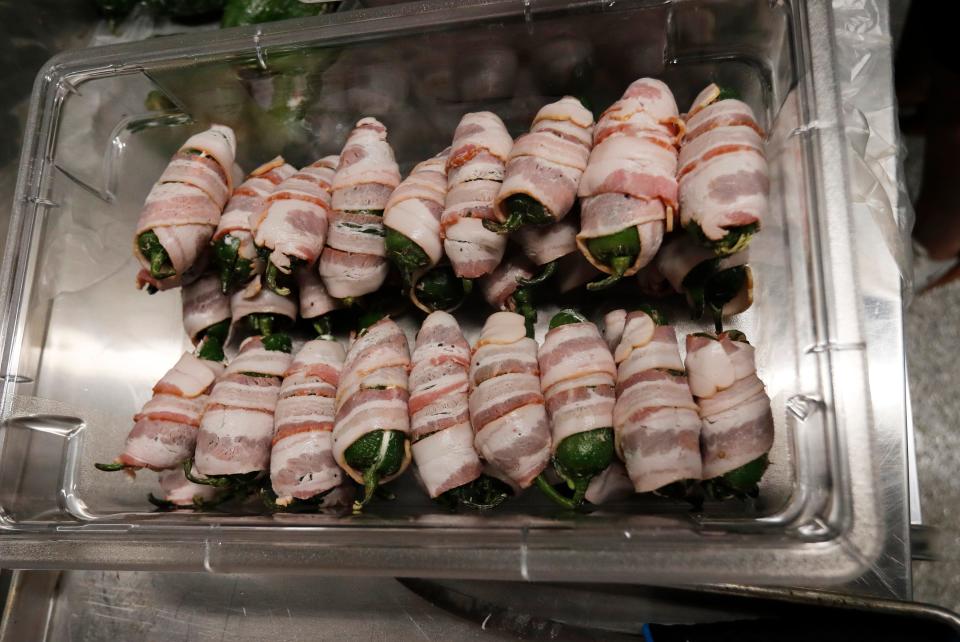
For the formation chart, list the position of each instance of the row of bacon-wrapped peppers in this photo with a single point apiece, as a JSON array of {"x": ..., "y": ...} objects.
[
  {"x": 326, "y": 234},
  {"x": 615, "y": 413},
  {"x": 579, "y": 200}
]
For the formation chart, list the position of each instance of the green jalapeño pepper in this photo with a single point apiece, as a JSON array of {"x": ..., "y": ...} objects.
[
  {"x": 406, "y": 255},
  {"x": 212, "y": 340},
  {"x": 736, "y": 240},
  {"x": 521, "y": 210},
  {"x": 242, "y": 484},
  {"x": 377, "y": 454},
  {"x": 273, "y": 277},
  {"x": 617, "y": 251},
  {"x": 233, "y": 269},
  {"x": 723, "y": 287},
  {"x": 727, "y": 93},
  {"x": 580, "y": 457},
  {"x": 154, "y": 252},
  {"x": 483, "y": 493},
  {"x": 741, "y": 483},
  {"x": 441, "y": 289},
  {"x": 567, "y": 316},
  {"x": 266, "y": 325}
]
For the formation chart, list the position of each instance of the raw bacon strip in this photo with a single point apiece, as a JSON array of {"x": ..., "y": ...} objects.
[
  {"x": 190, "y": 377},
  {"x": 546, "y": 164},
  {"x": 506, "y": 405},
  {"x": 301, "y": 461},
  {"x": 557, "y": 242},
  {"x": 573, "y": 351},
  {"x": 246, "y": 204},
  {"x": 550, "y": 242},
  {"x": 255, "y": 299},
  {"x": 165, "y": 429},
  {"x": 354, "y": 263},
  {"x": 345, "y": 274},
  {"x": 443, "y": 446},
  {"x": 584, "y": 401},
  {"x": 237, "y": 426},
  {"x": 655, "y": 418},
  {"x": 577, "y": 375},
  {"x": 498, "y": 286},
  {"x": 614, "y": 323},
  {"x": 724, "y": 178},
  {"x": 646, "y": 105},
  {"x": 630, "y": 181},
  {"x": 204, "y": 305},
  {"x": 293, "y": 222},
  {"x": 183, "y": 207},
  {"x": 611, "y": 485},
  {"x": 475, "y": 168},
  {"x": 372, "y": 393},
  {"x": 179, "y": 491},
  {"x": 315, "y": 301},
  {"x": 415, "y": 207},
  {"x": 734, "y": 406}
]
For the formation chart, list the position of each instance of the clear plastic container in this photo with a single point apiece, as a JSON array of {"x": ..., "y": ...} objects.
[{"x": 81, "y": 347}]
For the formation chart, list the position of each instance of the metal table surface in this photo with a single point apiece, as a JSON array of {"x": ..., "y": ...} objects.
[{"x": 139, "y": 605}]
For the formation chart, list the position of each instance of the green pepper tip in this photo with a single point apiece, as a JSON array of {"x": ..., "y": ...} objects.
[
  {"x": 440, "y": 289},
  {"x": 278, "y": 342},
  {"x": 581, "y": 457},
  {"x": 726, "y": 93},
  {"x": 522, "y": 210},
  {"x": 405, "y": 254},
  {"x": 741, "y": 483},
  {"x": 565, "y": 317},
  {"x": 151, "y": 248},
  {"x": 277, "y": 280},
  {"x": 376, "y": 459}
]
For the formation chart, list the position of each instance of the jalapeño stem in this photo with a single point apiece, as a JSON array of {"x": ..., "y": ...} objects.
[
  {"x": 547, "y": 272},
  {"x": 524, "y": 305},
  {"x": 551, "y": 492}
]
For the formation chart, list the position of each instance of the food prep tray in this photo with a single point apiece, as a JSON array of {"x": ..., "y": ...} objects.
[{"x": 82, "y": 347}]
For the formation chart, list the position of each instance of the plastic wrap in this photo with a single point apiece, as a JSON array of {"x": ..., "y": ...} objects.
[{"x": 864, "y": 65}]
